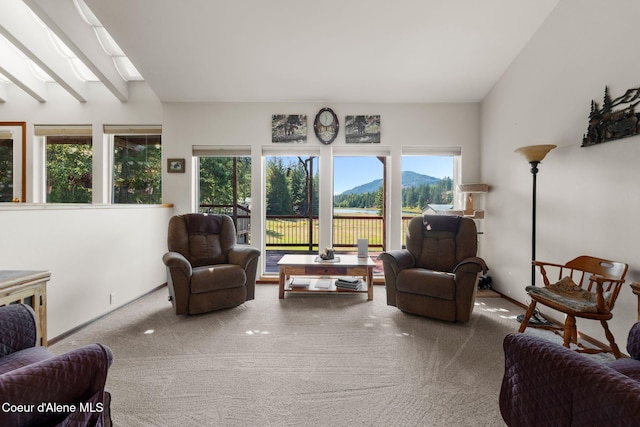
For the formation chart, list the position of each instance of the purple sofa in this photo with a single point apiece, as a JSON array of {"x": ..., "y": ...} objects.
[
  {"x": 546, "y": 384},
  {"x": 38, "y": 388}
]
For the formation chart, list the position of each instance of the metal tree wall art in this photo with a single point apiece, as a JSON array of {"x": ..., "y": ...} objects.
[{"x": 607, "y": 124}]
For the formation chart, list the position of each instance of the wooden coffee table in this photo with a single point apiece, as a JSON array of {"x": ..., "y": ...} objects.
[{"x": 319, "y": 276}]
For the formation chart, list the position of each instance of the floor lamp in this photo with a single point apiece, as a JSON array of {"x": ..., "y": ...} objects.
[{"x": 534, "y": 155}]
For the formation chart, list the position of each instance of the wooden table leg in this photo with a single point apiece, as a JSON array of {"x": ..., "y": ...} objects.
[
  {"x": 370, "y": 283},
  {"x": 281, "y": 282}
]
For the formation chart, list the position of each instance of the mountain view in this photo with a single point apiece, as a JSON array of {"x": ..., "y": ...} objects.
[
  {"x": 418, "y": 191},
  {"x": 409, "y": 179}
]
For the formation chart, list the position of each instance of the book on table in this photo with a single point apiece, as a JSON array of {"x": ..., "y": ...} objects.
[
  {"x": 322, "y": 284},
  {"x": 350, "y": 283},
  {"x": 349, "y": 280},
  {"x": 299, "y": 283}
]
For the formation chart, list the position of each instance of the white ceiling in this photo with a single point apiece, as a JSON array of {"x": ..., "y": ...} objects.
[{"x": 303, "y": 51}]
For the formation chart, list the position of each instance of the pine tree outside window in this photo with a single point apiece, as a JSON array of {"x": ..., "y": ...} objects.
[{"x": 137, "y": 169}]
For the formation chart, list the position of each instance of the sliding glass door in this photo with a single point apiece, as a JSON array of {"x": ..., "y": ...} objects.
[
  {"x": 359, "y": 202},
  {"x": 291, "y": 206}
]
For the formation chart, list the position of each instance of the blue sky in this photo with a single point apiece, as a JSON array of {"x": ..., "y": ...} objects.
[{"x": 351, "y": 171}]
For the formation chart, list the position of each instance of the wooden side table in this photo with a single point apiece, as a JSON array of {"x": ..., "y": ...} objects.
[{"x": 27, "y": 287}]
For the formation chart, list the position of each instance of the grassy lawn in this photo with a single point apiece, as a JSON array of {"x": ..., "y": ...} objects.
[{"x": 346, "y": 231}]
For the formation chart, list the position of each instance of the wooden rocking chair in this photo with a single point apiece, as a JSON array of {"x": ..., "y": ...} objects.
[{"x": 585, "y": 287}]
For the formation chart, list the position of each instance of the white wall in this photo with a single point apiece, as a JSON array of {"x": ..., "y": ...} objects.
[
  {"x": 143, "y": 107},
  {"x": 90, "y": 251},
  {"x": 249, "y": 125},
  {"x": 587, "y": 197},
  {"x": 93, "y": 252}
]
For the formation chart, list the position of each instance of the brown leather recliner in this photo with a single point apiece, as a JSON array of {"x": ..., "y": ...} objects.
[
  {"x": 206, "y": 269},
  {"x": 437, "y": 275},
  {"x": 39, "y": 388}
]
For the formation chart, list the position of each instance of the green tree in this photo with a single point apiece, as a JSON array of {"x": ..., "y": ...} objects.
[
  {"x": 137, "y": 169},
  {"x": 278, "y": 192},
  {"x": 244, "y": 179},
  {"x": 417, "y": 197},
  {"x": 6, "y": 170},
  {"x": 298, "y": 188},
  {"x": 445, "y": 190},
  {"x": 216, "y": 180},
  {"x": 379, "y": 201},
  {"x": 68, "y": 165}
]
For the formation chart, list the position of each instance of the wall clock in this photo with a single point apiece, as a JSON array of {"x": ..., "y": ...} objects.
[{"x": 326, "y": 125}]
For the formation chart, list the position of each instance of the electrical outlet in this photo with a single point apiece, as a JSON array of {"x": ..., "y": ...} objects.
[{"x": 112, "y": 298}]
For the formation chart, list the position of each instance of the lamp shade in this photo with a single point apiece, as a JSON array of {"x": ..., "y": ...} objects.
[{"x": 535, "y": 153}]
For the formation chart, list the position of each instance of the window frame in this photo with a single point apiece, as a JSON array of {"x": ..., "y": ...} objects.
[
  {"x": 111, "y": 175},
  {"x": 110, "y": 131},
  {"x": 45, "y": 172},
  {"x": 19, "y": 160},
  {"x": 241, "y": 222}
]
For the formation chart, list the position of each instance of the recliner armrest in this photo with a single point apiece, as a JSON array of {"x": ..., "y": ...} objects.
[
  {"x": 473, "y": 264},
  {"x": 177, "y": 260},
  {"x": 242, "y": 255},
  {"x": 19, "y": 328},
  {"x": 398, "y": 259}
]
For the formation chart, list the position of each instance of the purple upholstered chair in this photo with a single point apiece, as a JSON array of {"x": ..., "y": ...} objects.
[
  {"x": 38, "y": 388},
  {"x": 546, "y": 384}
]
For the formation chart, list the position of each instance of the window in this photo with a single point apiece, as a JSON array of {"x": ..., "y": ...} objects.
[
  {"x": 68, "y": 169},
  {"x": 290, "y": 186},
  {"x": 137, "y": 169},
  {"x": 358, "y": 202},
  {"x": 12, "y": 161},
  {"x": 291, "y": 194},
  {"x": 427, "y": 186},
  {"x": 6, "y": 168},
  {"x": 225, "y": 188}
]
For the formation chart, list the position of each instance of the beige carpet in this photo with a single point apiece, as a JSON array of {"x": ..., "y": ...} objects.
[{"x": 307, "y": 360}]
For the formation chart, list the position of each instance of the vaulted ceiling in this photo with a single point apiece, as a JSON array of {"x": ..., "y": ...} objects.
[{"x": 271, "y": 51}]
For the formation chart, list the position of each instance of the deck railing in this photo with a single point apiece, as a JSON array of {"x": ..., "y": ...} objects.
[
  {"x": 241, "y": 215},
  {"x": 348, "y": 229},
  {"x": 291, "y": 231},
  {"x": 294, "y": 232}
]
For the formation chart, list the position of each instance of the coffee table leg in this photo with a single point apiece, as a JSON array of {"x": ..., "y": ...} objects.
[
  {"x": 370, "y": 284},
  {"x": 281, "y": 283}
]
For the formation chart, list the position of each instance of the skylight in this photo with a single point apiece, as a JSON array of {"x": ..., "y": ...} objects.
[
  {"x": 124, "y": 66},
  {"x": 33, "y": 67},
  {"x": 79, "y": 68},
  {"x": 45, "y": 43},
  {"x": 109, "y": 45}
]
